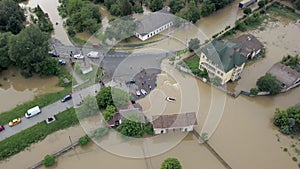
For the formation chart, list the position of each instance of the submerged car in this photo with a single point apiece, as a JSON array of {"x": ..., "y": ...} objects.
[
  {"x": 66, "y": 98},
  {"x": 170, "y": 99},
  {"x": 2, "y": 128},
  {"x": 14, "y": 122},
  {"x": 78, "y": 56}
]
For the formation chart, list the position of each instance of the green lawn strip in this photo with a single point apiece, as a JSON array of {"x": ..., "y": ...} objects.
[
  {"x": 193, "y": 63},
  {"x": 278, "y": 10},
  {"x": 38, "y": 132}
]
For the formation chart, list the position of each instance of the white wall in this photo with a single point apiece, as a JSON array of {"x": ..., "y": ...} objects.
[{"x": 154, "y": 32}]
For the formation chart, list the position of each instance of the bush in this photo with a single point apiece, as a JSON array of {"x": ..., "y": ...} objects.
[
  {"x": 71, "y": 32},
  {"x": 247, "y": 11},
  {"x": 149, "y": 129},
  {"x": 100, "y": 132},
  {"x": 138, "y": 9},
  {"x": 254, "y": 91},
  {"x": 49, "y": 160},
  {"x": 84, "y": 140}
]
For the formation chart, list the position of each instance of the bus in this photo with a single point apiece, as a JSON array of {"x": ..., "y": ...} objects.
[{"x": 246, "y": 3}]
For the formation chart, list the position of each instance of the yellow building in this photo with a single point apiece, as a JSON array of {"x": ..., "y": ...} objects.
[{"x": 222, "y": 61}]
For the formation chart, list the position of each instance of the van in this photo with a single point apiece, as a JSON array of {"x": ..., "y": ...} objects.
[{"x": 32, "y": 112}]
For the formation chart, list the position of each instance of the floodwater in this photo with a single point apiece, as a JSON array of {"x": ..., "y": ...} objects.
[
  {"x": 15, "y": 89},
  {"x": 50, "y": 7}
]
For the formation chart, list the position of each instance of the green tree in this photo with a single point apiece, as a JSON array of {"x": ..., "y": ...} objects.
[
  {"x": 112, "y": 96},
  {"x": 240, "y": 25},
  {"x": 261, "y": 3},
  {"x": 207, "y": 7},
  {"x": 269, "y": 83},
  {"x": 48, "y": 66},
  {"x": 138, "y": 9},
  {"x": 11, "y": 16},
  {"x": 254, "y": 91},
  {"x": 247, "y": 11},
  {"x": 176, "y": 5},
  {"x": 84, "y": 140},
  {"x": 109, "y": 112},
  {"x": 88, "y": 108},
  {"x": 156, "y": 5},
  {"x": 100, "y": 132},
  {"x": 4, "y": 57},
  {"x": 132, "y": 126},
  {"x": 194, "y": 44},
  {"x": 192, "y": 13},
  {"x": 49, "y": 160},
  {"x": 171, "y": 163},
  {"x": 29, "y": 49},
  {"x": 120, "y": 29}
]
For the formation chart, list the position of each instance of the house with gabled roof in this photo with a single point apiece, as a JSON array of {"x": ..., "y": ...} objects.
[
  {"x": 248, "y": 45},
  {"x": 154, "y": 23},
  {"x": 222, "y": 61},
  {"x": 184, "y": 122}
]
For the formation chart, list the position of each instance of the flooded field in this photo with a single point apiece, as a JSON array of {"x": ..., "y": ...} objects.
[{"x": 15, "y": 89}]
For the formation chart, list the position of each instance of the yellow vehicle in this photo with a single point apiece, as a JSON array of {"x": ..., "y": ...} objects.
[{"x": 14, "y": 122}]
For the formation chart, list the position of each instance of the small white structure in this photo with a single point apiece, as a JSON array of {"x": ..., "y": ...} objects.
[
  {"x": 153, "y": 24},
  {"x": 183, "y": 122}
]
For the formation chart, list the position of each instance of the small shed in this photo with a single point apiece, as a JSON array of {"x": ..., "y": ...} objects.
[{"x": 183, "y": 122}]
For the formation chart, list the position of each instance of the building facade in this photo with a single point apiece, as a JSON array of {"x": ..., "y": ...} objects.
[{"x": 222, "y": 61}]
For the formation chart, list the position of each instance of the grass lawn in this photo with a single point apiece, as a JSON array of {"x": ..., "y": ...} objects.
[
  {"x": 278, "y": 10},
  {"x": 90, "y": 75},
  {"x": 193, "y": 63},
  {"x": 38, "y": 132}
]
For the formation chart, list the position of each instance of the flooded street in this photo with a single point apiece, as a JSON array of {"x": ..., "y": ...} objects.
[
  {"x": 50, "y": 7},
  {"x": 15, "y": 89}
]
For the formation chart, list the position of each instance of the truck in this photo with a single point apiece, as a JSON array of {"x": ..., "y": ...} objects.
[
  {"x": 32, "y": 112},
  {"x": 245, "y": 3}
]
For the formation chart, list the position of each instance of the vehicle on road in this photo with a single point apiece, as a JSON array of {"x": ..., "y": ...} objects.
[
  {"x": 170, "y": 99},
  {"x": 144, "y": 92},
  {"x": 93, "y": 54},
  {"x": 78, "y": 56},
  {"x": 32, "y": 112},
  {"x": 53, "y": 54},
  {"x": 2, "y": 128},
  {"x": 66, "y": 98},
  {"x": 62, "y": 62},
  {"x": 130, "y": 82},
  {"x": 14, "y": 122},
  {"x": 138, "y": 93},
  {"x": 245, "y": 3}
]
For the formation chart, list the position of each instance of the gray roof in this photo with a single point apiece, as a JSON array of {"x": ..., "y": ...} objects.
[
  {"x": 247, "y": 43},
  {"x": 174, "y": 121},
  {"x": 224, "y": 56},
  {"x": 153, "y": 21},
  {"x": 284, "y": 74}
]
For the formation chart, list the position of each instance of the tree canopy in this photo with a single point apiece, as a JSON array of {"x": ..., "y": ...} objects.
[
  {"x": 288, "y": 120},
  {"x": 109, "y": 112},
  {"x": 112, "y": 96},
  {"x": 207, "y": 7},
  {"x": 28, "y": 51},
  {"x": 132, "y": 126},
  {"x": 88, "y": 108},
  {"x": 269, "y": 83},
  {"x": 5, "y": 61},
  {"x": 194, "y": 44},
  {"x": 176, "y": 5},
  {"x": 120, "y": 29},
  {"x": 171, "y": 163},
  {"x": 11, "y": 16},
  {"x": 156, "y": 5},
  {"x": 192, "y": 13}
]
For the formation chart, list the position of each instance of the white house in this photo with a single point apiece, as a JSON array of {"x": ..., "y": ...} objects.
[
  {"x": 183, "y": 122},
  {"x": 154, "y": 23}
]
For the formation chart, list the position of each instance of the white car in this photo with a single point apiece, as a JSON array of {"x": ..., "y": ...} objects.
[
  {"x": 170, "y": 99},
  {"x": 138, "y": 93},
  {"x": 78, "y": 56},
  {"x": 93, "y": 54},
  {"x": 143, "y": 91}
]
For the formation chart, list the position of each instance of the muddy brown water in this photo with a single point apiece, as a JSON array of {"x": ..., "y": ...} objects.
[
  {"x": 15, "y": 89},
  {"x": 245, "y": 136}
]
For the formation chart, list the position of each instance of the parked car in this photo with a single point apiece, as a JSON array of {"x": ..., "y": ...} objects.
[
  {"x": 2, "y": 128},
  {"x": 62, "y": 62},
  {"x": 78, "y": 56},
  {"x": 138, "y": 93},
  {"x": 66, "y": 98},
  {"x": 144, "y": 92},
  {"x": 93, "y": 54},
  {"x": 33, "y": 112},
  {"x": 14, "y": 122},
  {"x": 53, "y": 54},
  {"x": 170, "y": 99}
]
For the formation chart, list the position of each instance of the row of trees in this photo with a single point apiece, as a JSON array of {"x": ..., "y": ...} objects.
[
  {"x": 288, "y": 120},
  {"x": 82, "y": 15},
  {"x": 123, "y": 7}
]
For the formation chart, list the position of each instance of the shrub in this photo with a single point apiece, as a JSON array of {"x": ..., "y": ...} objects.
[
  {"x": 84, "y": 140},
  {"x": 100, "y": 132},
  {"x": 71, "y": 32},
  {"x": 247, "y": 11},
  {"x": 254, "y": 91},
  {"x": 49, "y": 160},
  {"x": 149, "y": 129},
  {"x": 295, "y": 159}
]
